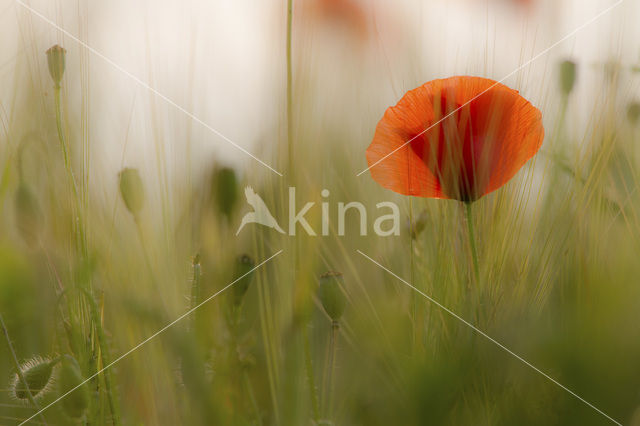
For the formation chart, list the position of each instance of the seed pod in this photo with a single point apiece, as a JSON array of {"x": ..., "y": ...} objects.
[
  {"x": 567, "y": 76},
  {"x": 75, "y": 403},
  {"x": 244, "y": 264},
  {"x": 331, "y": 295},
  {"x": 38, "y": 373},
  {"x": 28, "y": 214},
  {"x": 633, "y": 113},
  {"x": 225, "y": 188},
  {"x": 56, "y": 61},
  {"x": 132, "y": 190}
]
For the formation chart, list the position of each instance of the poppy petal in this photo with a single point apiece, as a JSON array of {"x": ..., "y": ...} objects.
[{"x": 460, "y": 138}]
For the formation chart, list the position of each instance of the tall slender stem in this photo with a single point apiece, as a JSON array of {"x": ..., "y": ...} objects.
[
  {"x": 195, "y": 288},
  {"x": 289, "y": 90},
  {"x": 81, "y": 244},
  {"x": 414, "y": 301},
  {"x": 472, "y": 242},
  {"x": 310, "y": 378},
  {"x": 252, "y": 397},
  {"x": 78, "y": 225},
  {"x": 104, "y": 357},
  {"x": 335, "y": 326}
]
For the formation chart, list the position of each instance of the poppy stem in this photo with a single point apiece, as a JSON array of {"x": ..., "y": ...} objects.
[
  {"x": 78, "y": 224},
  {"x": 472, "y": 242},
  {"x": 289, "y": 88},
  {"x": 413, "y": 296}
]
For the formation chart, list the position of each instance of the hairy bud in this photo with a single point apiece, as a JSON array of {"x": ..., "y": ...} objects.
[
  {"x": 568, "y": 70},
  {"x": 331, "y": 295},
  {"x": 132, "y": 190},
  {"x": 38, "y": 375}
]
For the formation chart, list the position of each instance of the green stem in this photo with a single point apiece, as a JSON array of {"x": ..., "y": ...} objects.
[
  {"x": 335, "y": 326},
  {"x": 104, "y": 356},
  {"x": 252, "y": 397},
  {"x": 145, "y": 252},
  {"x": 472, "y": 243},
  {"x": 310, "y": 378},
  {"x": 19, "y": 371},
  {"x": 61, "y": 137},
  {"x": 78, "y": 225},
  {"x": 195, "y": 287},
  {"x": 289, "y": 88},
  {"x": 414, "y": 302}
]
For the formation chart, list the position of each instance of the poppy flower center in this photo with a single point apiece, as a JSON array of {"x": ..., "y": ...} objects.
[{"x": 454, "y": 149}]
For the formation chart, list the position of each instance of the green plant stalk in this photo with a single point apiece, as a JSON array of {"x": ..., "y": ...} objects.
[
  {"x": 315, "y": 405},
  {"x": 335, "y": 326},
  {"x": 78, "y": 225},
  {"x": 195, "y": 288},
  {"x": 414, "y": 302},
  {"x": 289, "y": 89},
  {"x": 82, "y": 247},
  {"x": 472, "y": 243},
  {"x": 308, "y": 364},
  {"x": 18, "y": 370},
  {"x": 290, "y": 155},
  {"x": 252, "y": 396},
  {"x": 264, "y": 312},
  {"x": 104, "y": 356},
  {"x": 145, "y": 253}
]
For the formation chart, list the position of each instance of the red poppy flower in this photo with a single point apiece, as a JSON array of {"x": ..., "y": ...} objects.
[{"x": 480, "y": 133}]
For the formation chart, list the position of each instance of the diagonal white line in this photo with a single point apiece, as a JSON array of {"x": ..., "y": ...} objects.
[
  {"x": 482, "y": 333},
  {"x": 124, "y": 355},
  {"x": 536, "y": 57},
  {"x": 143, "y": 84}
]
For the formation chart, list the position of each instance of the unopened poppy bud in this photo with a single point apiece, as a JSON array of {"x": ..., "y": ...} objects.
[
  {"x": 38, "y": 373},
  {"x": 418, "y": 224},
  {"x": 244, "y": 265},
  {"x": 56, "y": 61},
  {"x": 132, "y": 190},
  {"x": 567, "y": 76},
  {"x": 633, "y": 113},
  {"x": 76, "y": 399},
  {"x": 28, "y": 214},
  {"x": 331, "y": 295},
  {"x": 225, "y": 189}
]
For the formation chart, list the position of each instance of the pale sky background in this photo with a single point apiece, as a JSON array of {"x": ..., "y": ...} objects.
[{"x": 224, "y": 61}]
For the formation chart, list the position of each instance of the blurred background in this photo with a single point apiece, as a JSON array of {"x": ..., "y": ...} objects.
[
  {"x": 224, "y": 61},
  {"x": 94, "y": 258}
]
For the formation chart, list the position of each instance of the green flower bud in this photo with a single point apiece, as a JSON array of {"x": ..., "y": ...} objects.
[
  {"x": 567, "y": 76},
  {"x": 419, "y": 224},
  {"x": 331, "y": 295},
  {"x": 244, "y": 264},
  {"x": 132, "y": 190},
  {"x": 28, "y": 214},
  {"x": 38, "y": 373},
  {"x": 633, "y": 113},
  {"x": 76, "y": 402},
  {"x": 225, "y": 188},
  {"x": 56, "y": 61}
]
